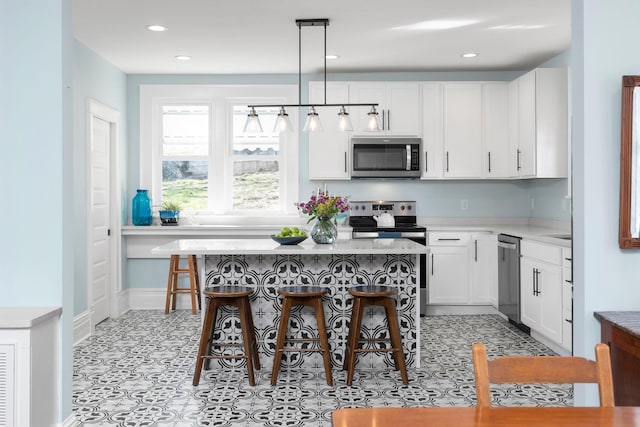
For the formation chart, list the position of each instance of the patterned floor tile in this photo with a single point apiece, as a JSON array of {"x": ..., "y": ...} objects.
[{"x": 137, "y": 370}]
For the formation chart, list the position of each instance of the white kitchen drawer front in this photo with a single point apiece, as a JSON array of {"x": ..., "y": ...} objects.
[
  {"x": 448, "y": 238},
  {"x": 540, "y": 251}
]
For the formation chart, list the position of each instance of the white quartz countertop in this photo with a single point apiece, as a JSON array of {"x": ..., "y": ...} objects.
[
  {"x": 556, "y": 236},
  {"x": 268, "y": 246},
  {"x": 26, "y": 317}
]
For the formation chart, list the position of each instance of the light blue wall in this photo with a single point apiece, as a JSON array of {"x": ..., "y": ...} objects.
[
  {"x": 37, "y": 172},
  {"x": 605, "y": 37},
  {"x": 435, "y": 198},
  {"x": 93, "y": 78}
]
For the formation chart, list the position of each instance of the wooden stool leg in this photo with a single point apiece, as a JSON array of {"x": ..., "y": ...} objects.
[
  {"x": 254, "y": 339},
  {"x": 324, "y": 340},
  {"x": 396, "y": 341},
  {"x": 170, "y": 284},
  {"x": 207, "y": 326},
  {"x": 192, "y": 283},
  {"x": 243, "y": 303},
  {"x": 356, "y": 324},
  {"x": 282, "y": 330},
  {"x": 215, "y": 304},
  {"x": 348, "y": 350},
  {"x": 196, "y": 274}
]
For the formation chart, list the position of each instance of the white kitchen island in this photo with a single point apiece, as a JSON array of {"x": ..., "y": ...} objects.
[{"x": 265, "y": 265}]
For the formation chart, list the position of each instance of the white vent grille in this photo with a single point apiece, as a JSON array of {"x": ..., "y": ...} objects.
[{"x": 7, "y": 391}]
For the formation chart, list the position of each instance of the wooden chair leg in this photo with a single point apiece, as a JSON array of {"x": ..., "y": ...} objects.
[
  {"x": 196, "y": 274},
  {"x": 356, "y": 324},
  {"x": 324, "y": 340},
  {"x": 282, "y": 330},
  {"x": 254, "y": 339},
  {"x": 396, "y": 341},
  {"x": 192, "y": 283},
  {"x": 214, "y": 304},
  {"x": 169, "y": 284},
  {"x": 243, "y": 304},
  {"x": 204, "y": 342}
]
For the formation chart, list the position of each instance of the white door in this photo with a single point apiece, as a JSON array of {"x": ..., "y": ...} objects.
[{"x": 99, "y": 218}]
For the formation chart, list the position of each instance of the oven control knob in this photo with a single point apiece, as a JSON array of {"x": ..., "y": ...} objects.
[
  {"x": 401, "y": 207},
  {"x": 409, "y": 207}
]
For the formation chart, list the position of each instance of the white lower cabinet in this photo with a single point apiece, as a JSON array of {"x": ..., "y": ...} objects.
[
  {"x": 541, "y": 289},
  {"x": 567, "y": 300},
  {"x": 484, "y": 269},
  {"x": 462, "y": 267}
]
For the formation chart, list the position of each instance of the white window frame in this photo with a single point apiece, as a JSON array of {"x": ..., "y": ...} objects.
[{"x": 220, "y": 98}]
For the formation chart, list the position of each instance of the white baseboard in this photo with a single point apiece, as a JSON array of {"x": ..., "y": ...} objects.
[
  {"x": 553, "y": 346},
  {"x": 123, "y": 302},
  {"x": 81, "y": 327},
  {"x": 436, "y": 310},
  {"x": 154, "y": 299}
]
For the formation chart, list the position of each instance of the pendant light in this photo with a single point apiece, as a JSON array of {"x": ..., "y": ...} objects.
[
  {"x": 344, "y": 122},
  {"x": 373, "y": 121},
  {"x": 313, "y": 120},
  {"x": 283, "y": 124},
  {"x": 253, "y": 122}
]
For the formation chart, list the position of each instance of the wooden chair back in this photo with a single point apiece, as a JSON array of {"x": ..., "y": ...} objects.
[{"x": 541, "y": 370}]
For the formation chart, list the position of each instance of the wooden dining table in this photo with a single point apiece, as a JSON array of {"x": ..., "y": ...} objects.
[{"x": 627, "y": 416}]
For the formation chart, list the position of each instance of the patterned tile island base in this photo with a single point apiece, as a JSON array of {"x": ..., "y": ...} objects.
[{"x": 267, "y": 273}]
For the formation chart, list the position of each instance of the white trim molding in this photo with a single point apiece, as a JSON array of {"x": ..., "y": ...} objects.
[
  {"x": 81, "y": 327},
  {"x": 70, "y": 421}
]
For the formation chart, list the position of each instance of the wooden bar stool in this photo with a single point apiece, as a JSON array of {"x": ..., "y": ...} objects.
[
  {"x": 172, "y": 286},
  {"x": 219, "y": 296},
  {"x": 379, "y": 296},
  {"x": 310, "y": 296}
]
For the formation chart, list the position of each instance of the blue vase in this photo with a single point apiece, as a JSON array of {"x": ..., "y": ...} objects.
[{"x": 141, "y": 208}]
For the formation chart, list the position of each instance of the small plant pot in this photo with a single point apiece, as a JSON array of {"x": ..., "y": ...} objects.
[{"x": 169, "y": 217}]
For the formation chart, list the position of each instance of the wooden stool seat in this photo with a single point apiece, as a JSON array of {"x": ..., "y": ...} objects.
[
  {"x": 219, "y": 296},
  {"x": 194, "y": 283},
  {"x": 310, "y": 296},
  {"x": 378, "y": 296}
]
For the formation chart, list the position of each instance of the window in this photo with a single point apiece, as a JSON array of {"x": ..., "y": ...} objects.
[{"x": 193, "y": 149}]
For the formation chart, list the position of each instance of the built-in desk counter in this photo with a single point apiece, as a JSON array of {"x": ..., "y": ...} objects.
[{"x": 265, "y": 266}]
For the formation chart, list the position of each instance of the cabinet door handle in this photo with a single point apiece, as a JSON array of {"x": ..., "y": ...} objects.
[
  {"x": 449, "y": 240},
  {"x": 533, "y": 282},
  {"x": 518, "y": 159},
  {"x": 432, "y": 264},
  {"x": 567, "y": 259},
  {"x": 345, "y": 162},
  {"x": 426, "y": 161},
  {"x": 489, "y": 154},
  {"x": 388, "y": 119},
  {"x": 475, "y": 256},
  {"x": 568, "y": 281},
  {"x": 447, "y": 161},
  {"x": 538, "y": 282},
  {"x": 383, "y": 121},
  {"x": 568, "y": 320}
]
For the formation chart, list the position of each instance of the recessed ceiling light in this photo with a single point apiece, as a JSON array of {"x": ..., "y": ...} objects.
[
  {"x": 332, "y": 56},
  {"x": 156, "y": 28},
  {"x": 182, "y": 57},
  {"x": 469, "y": 55}
]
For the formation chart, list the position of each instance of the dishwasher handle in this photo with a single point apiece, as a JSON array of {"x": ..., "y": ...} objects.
[{"x": 506, "y": 245}]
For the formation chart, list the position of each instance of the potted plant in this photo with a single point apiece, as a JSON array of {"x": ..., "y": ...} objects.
[{"x": 170, "y": 213}]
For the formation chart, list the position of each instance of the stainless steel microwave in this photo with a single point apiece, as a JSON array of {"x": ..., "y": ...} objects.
[{"x": 385, "y": 157}]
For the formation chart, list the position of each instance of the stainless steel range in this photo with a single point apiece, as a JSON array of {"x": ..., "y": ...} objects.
[{"x": 371, "y": 220}]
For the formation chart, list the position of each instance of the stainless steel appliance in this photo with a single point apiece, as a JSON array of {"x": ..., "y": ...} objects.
[
  {"x": 509, "y": 278},
  {"x": 385, "y": 157},
  {"x": 361, "y": 219}
]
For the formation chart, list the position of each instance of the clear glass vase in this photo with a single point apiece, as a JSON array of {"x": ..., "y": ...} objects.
[{"x": 323, "y": 230}]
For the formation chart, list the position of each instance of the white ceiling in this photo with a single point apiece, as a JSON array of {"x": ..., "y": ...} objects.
[{"x": 259, "y": 36}]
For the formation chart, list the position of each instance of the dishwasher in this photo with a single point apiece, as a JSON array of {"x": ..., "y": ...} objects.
[{"x": 509, "y": 278}]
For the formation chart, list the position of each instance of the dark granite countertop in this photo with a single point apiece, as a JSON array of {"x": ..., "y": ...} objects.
[{"x": 628, "y": 321}]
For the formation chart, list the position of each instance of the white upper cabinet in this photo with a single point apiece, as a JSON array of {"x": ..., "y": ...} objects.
[
  {"x": 495, "y": 130},
  {"x": 431, "y": 130},
  {"x": 399, "y": 107},
  {"x": 539, "y": 124},
  {"x": 462, "y": 130},
  {"x": 329, "y": 149}
]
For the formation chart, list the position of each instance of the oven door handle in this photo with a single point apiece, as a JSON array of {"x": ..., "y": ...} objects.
[{"x": 506, "y": 245}]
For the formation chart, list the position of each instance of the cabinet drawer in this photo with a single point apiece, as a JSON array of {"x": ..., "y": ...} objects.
[
  {"x": 542, "y": 252},
  {"x": 448, "y": 238}
]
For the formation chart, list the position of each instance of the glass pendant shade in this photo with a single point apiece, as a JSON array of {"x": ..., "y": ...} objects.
[
  {"x": 252, "y": 124},
  {"x": 373, "y": 122},
  {"x": 313, "y": 122},
  {"x": 344, "y": 123},
  {"x": 283, "y": 124}
]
